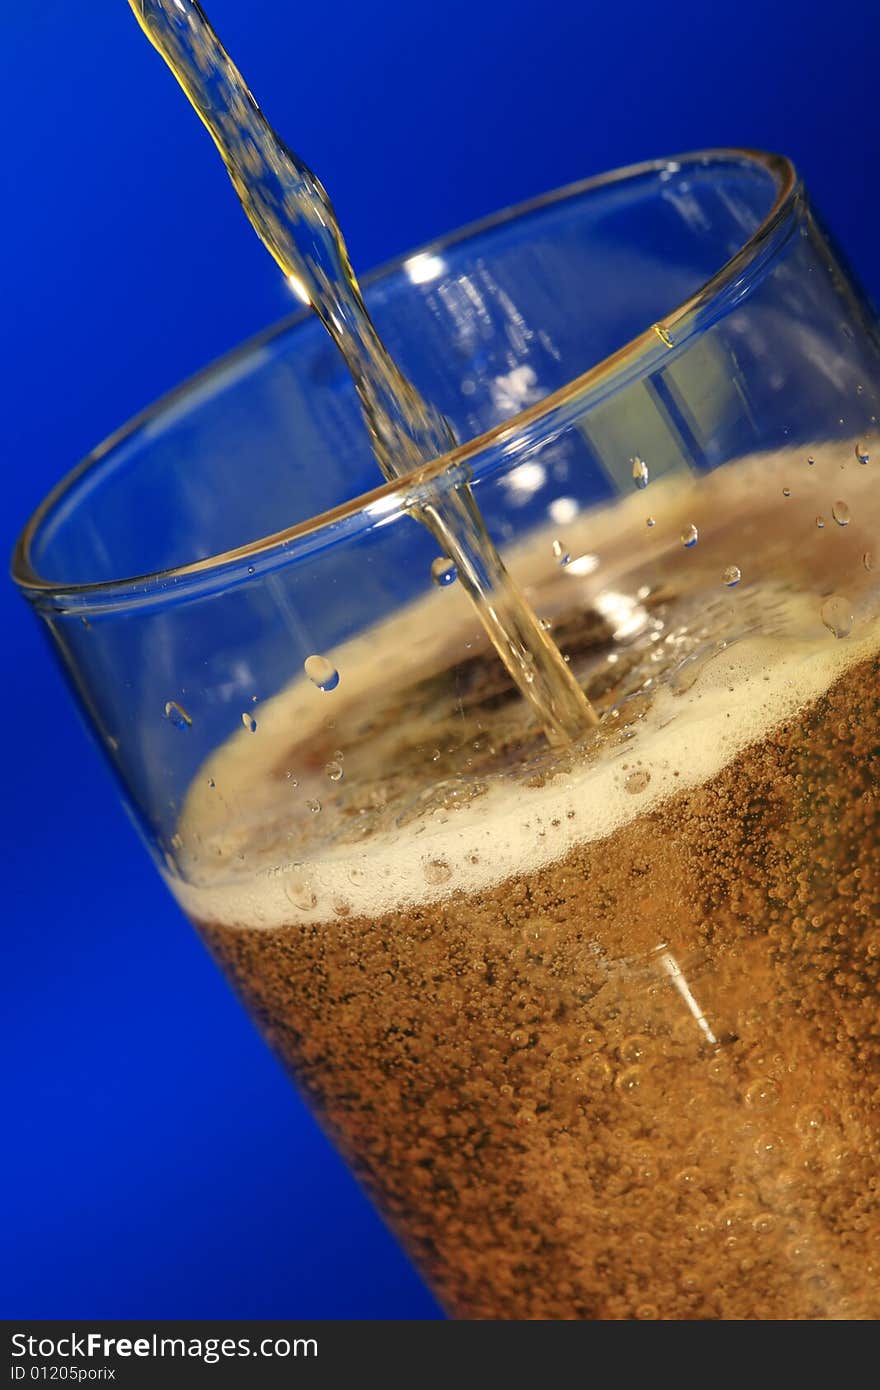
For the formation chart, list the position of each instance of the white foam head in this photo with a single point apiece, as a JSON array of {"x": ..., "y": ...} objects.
[{"x": 738, "y": 693}]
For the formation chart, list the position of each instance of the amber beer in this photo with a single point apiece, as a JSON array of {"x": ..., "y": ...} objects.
[{"x": 597, "y": 1030}]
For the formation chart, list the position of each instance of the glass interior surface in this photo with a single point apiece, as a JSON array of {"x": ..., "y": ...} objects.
[{"x": 595, "y": 1026}]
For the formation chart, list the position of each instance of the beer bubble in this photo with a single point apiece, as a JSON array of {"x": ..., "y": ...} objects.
[
  {"x": 636, "y": 781},
  {"x": 321, "y": 672},
  {"x": 689, "y": 536},
  {"x": 689, "y": 1179},
  {"x": 628, "y": 1081},
  {"x": 298, "y": 890},
  {"x": 809, "y": 1121},
  {"x": 313, "y": 805},
  {"x": 837, "y": 615},
  {"x": 519, "y": 1037},
  {"x": 249, "y": 722},
  {"x": 764, "y": 1223},
  {"x": 436, "y": 871},
  {"x": 334, "y": 771},
  {"x": 177, "y": 715},
  {"x": 762, "y": 1094},
  {"x": 647, "y": 1312},
  {"x": 633, "y": 1048},
  {"x": 639, "y": 472},
  {"x": 862, "y": 453},
  {"x": 443, "y": 571},
  {"x": 732, "y": 575},
  {"x": 357, "y": 876},
  {"x": 733, "y": 1218},
  {"x": 595, "y": 1072},
  {"x": 841, "y": 513}
]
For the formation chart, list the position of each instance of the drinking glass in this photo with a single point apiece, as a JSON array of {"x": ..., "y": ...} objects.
[{"x": 596, "y": 1026}]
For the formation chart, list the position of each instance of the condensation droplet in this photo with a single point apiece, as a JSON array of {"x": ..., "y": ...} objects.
[
  {"x": 786, "y": 492},
  {"x": 689, "y": 536},
  {"x": 841, "y": 513},
  {"x": 639, "y": 472},
  {"x": 334, "y": 772},
  {"x": 837, "y": 615},
  {"x": 85, "y": 622},
  {"x": 299, "y": 891},
  {"x": 436, "y": 871},
  {"x": 663, "y": 334},
  {"x": 313, "y": 805},
  {"x": 177, "y": 715},
  {"x": 732, "y": 575},
  {"x": 869, "y": 560},
  {"x": 321, "y": 672},
  {"x": 443, "y": 571},
  {"x": 820, "y": 522},
  {"x": 211, "y": 782},
  {"x": 650, "y": 521},
  {"x": 249, "y": 722},
  {"x": 636, "y": 781},
  {"x": 811, "y": 460},
  {"x": 561, "y": 554},
  {"x": 862, "y": 453}
]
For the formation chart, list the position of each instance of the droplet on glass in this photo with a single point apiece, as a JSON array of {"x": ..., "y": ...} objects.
[
  {"x": 639, "y": 472},
  {"x": 211, "y": 782},
  {"x": 820, "y": 522},
  {"x": 561, "y": 554},
  {"x": 436, "y": 871},
  {"x": 841, "y": 513},
  {"x": 862, "y": 453},
  {"x": 177, "y": 715},
  {"x": 869, "y": 560},
  {"x": 299, "y": 891},
  {"x": 689, "y": 536},
  {"x": 334, "y": 771},
  {"x": 443, "y": 571},
  {"x": 811, "y": 460},
  {"x": 314, "y": 805},
  {"x": 837, "y": 615},
  {"x": 786, "y": 492},
  {"x": 650, "y": 521},
  {"x": 732, "y": 575},
  {"x": 321, "y": 672},
  {"x": 636, "y": 781},
  {"x": 249, "y": 722}
]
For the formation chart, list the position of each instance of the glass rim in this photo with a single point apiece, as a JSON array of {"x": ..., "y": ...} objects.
[{"x": 730, "y": 282}]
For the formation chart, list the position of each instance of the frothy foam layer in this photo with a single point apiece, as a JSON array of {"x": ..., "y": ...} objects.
[{"x": 240, "y": 863}]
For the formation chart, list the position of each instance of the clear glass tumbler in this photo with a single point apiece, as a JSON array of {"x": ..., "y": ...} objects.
[{"x": 597, "y": 1028}]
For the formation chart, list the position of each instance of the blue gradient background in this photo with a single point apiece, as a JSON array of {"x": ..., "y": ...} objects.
[{"x": 157, "y": 1163}]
